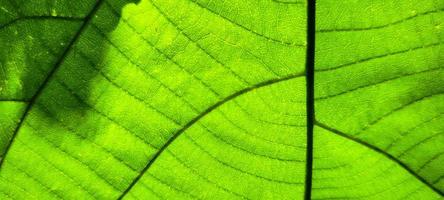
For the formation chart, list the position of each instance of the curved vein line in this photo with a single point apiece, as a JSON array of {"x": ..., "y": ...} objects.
[
  {"x": 71, "y": 178},
  {"x": 438, "y": 179},
  {"x": 411, "y": 192},
  {"x": 103, "y": 115},
  {"x": 59, "y": 62},
  {"x": 377, "y": 120},
  {"x": 360, "y": 174},
  {"x": 162, "y": 53},
  {"x": 330, "y": 168},
  {"x": 14, "y": 100},
  {"x": 200, "y": 116},
  {"x": 195, "y": 172},
  {"x": 246, "y": 28},
  {"x": 288, "y": 2},
  {"x": 378, "y": 56},
  {"x": 52, "y": 193},
  {"x": 431, "y": 160},
  {"x": 366, "y": 181},
  {"x": 63, "y": 18},
  {"x": 239, "y": 147},
  {"x": 7, "y": 195},
  {"x": 76, "y": 133},
  {"x": 410, "y": 130},
  {"x": 258, "y": 119},
  {"x": 236, "y": 168},
  {"x": 173, "y": 187},
  {"x": 378, "y": 150},
  {"x": 131, "y": 94},
  {"x": 420, "y": 143},
  {"x": 377, "y": 83},
  {"x": 373, "y": 194},
  {"x": 283, "y": 112},
  {"x": 249, "y": 134},
  {"x": 380, "y": 26},
  {"x": 150, "y": 190},
  {"x": 357, "y": 173},
  {"x": 195, "y": 42},
  {"x": 15, "y": 185},
  {"x": 95, "y": 110}
]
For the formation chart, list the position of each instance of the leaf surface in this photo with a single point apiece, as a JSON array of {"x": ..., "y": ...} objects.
[
  {"x": 195, "y": 99},
  {"x": 143, "y": 78},
  {"x": 379, "y": 82}
]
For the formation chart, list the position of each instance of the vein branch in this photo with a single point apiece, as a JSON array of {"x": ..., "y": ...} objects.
[
  {"x": 56, "y": 66},
  {"x": 381, "y": 151},
  {"x": 200, "y": 116},
  {"x": 14, "y": 100},
  {"x": 64, "y": 18}
]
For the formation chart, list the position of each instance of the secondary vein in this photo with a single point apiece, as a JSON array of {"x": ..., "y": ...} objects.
[
  {"x": 377, "y": 149},
  {"x": 64, "y": 18},
  {"x": 59, "y": 62},
  {"x": 200, "y": 116}
]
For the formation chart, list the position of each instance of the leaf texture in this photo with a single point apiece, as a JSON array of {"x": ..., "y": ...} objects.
[
  {"x": 143, "y": 78},
  {"x": 197, "y": 99},
  {"x": 379, "y": 82}
]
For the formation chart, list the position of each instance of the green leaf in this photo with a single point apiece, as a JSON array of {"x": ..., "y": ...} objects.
[
  {"x": 10, "y": 115},
  {"x": 195, "y": 99},
  {"x": 33, "y": 36},
  {"x": 379, "y": 84}
]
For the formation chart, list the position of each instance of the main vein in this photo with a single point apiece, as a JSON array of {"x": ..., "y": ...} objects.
[
  {"x": 59, "y": 62},
  {"x": 310, "y": 56}
]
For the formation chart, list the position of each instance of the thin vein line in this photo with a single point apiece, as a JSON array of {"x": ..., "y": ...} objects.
[
  {"x": 14, "y": 100},
  {"x": 51, "y": 192},
  {"x": 246, "y": 150},
  {"x": 201, "y": 115},
  {"x": 71, "y": 178},
  {"x": 412, "y": 129},
  {"x": 311, "y": 31},
  {"x": 239, "y": 169},
  {"x": 438, "y": 179},
  {"x": 249, "y": 134},
  {"x": 205, "y": 51},
  {"x": 162, "y": 53},
  {"x": 78, "y": 98},
  {"x": 381, "y": 26},
  {"x": 50, "y": 74},
  {"x": 431, "y": 160},
  {"x": 406, "y": 75},
  {"x": 278, "y": 41},
  {"x": 387, "y": 155},
  {"x": 392, "y": 111},
  {"x": 64, "y": 18},
  {"x": 288, "y": 2},
  {"x": 83, "y": 137},
  {"x": 323, "y": 69},
  {"x": 196, "y": 172},
  {"x": 421, "y": 142}
]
